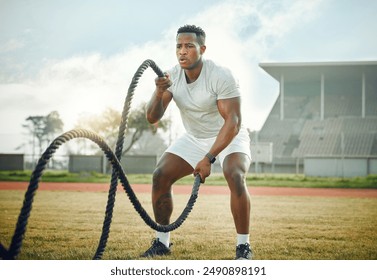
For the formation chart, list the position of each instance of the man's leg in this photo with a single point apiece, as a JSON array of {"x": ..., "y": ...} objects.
[
  {"x": 169, "y": 169},
  {"x": 235, "y": 167}
]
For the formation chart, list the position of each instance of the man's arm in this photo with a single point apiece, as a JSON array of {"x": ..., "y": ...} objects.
[
  {"x": 160, "y": 100},
  {"x": 230, "y": 110}
]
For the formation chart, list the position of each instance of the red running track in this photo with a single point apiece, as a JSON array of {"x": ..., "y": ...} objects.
[{"x": 186, "y": 189}]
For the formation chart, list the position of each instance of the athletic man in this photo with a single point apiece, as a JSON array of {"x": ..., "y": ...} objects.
[{"x": 208, "y": 97}]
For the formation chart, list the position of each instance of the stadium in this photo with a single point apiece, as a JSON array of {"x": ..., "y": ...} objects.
[{"x": 324, "y": 121}]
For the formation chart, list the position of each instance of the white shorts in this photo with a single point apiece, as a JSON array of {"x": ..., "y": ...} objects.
[{"x": 193, "y": 149}]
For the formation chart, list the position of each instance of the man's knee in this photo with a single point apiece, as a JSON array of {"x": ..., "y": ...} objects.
[
  {"x": 161, "y": 179},
  {"x": 157, "y": 174},
  {"x": 236, "y": 181},
  {"x": 233, "y": 176}
]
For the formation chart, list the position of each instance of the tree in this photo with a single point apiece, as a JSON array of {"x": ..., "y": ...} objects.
[
  {"x": 53, "y": 125},
  {"x": 43, "y": 129},
  {"x": 107, "y": 126},
  {"x": 35, "y": 128}
]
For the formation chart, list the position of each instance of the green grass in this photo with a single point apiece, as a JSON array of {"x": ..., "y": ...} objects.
[
  {"x": 67, "y": 225},
  {"x": 369, "y": 181},
  {"x": 56, "y": 176},
  {"x": 277, "y": 180}
]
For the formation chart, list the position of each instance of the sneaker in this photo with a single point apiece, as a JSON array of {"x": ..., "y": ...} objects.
[
  {"x": 157, "y": 249},
  {"x": 243, "y": 252}
]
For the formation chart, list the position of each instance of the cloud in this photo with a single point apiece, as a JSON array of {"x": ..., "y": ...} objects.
[
  {"x": 11, "y": 45},
  {"x": 81, "y": 84},
  {"x": 240, "y": 35}
]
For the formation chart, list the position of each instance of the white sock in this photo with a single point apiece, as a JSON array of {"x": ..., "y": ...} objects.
[
  {"x": 163, "y": 237},
  {"x": 242, "y": 238}
]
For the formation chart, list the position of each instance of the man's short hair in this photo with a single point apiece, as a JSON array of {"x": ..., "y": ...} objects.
[{"x": 200, "y": 34}]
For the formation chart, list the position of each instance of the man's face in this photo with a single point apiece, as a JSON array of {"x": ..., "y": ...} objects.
[{"x": 188, "y": 50}]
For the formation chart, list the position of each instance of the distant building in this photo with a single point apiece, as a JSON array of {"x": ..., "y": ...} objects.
[{"x": 325, "y": 118}]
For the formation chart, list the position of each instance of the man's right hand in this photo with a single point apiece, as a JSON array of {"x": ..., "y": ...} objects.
[{"x": 162, "y": 84}]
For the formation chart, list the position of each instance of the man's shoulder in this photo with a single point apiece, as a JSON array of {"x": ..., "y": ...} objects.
[
  {"x": 218, "y": 70},
  {"x": 175, "y": 72},
  {"x": 175, "y": 69}
]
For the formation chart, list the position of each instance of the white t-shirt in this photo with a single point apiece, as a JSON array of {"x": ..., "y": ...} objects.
[{"x": 197, "y": 101}]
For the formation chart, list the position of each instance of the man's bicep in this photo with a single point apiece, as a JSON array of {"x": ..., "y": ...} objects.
[{"x": 230, "y": 107}]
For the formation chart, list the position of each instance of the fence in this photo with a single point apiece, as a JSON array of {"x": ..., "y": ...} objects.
[
  {"x": 135, "y": 164},
  {"x": 11, "y": 162},
  {"x": 322, "y": 166},
  {"x": 132, "y": 164},
  {"x": 340, "y": 166}
]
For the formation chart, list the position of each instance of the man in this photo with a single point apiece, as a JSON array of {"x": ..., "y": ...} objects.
[{"x": 209, "y": 101}]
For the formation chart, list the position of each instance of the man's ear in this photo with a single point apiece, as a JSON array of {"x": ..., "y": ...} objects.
[{"x": 202, "y": 49}]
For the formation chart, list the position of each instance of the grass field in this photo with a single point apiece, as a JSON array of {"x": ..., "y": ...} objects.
[
  {"x": 67, "y": 225},
  {"x": 276, "y": 180}
]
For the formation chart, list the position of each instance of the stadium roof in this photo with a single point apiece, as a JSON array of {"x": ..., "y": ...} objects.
[{"x": 307, "y": 71}]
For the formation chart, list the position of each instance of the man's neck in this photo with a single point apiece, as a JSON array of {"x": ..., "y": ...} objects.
[{"x": 193, "y": 74}]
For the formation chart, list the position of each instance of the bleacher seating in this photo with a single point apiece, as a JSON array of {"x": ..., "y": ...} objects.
[
  {"x": 302, "y": 133},
  {"x": 370, "y": 104},
  {"x": 294, "y": 106},
  {"x": 278, "y": 132},
  {"x": 318, "y": 137},
  {"x": 342, "y": 105}
]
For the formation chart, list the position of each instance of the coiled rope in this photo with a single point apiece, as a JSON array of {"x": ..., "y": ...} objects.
[{"x": 117, "y": 174}]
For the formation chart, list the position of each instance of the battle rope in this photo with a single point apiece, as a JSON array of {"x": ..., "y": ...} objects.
[{"x": 117, "y": 173}]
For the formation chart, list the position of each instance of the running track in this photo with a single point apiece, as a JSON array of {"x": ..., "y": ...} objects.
[{"x": 185, "y": 189}]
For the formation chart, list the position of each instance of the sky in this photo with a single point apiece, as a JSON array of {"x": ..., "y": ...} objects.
[{"x": 78, "y": 57}]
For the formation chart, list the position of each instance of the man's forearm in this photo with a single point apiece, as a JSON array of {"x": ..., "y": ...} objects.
[
  {"x": 226, "y": 134},
  {"x": 155, "y": 108}
]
